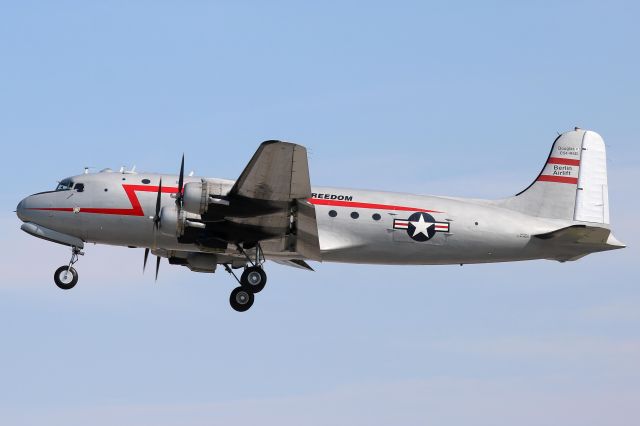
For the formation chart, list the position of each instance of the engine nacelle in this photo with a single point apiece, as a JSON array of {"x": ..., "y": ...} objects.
[
  {"x": 198, "y": 196},
  {"x": 195, "y": 198},
  {"x": 173, "y": 223}
]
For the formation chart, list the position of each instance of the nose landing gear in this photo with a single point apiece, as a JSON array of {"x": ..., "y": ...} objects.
[{"x": 66, "y": 277}]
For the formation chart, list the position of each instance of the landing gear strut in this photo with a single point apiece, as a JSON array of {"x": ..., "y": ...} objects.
[
  {"x": 252, "y": 281},
  {"x": 66, "y": 277}
]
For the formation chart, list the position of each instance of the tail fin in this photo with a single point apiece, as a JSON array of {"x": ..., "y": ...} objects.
[{"x": 572, "y": 184}]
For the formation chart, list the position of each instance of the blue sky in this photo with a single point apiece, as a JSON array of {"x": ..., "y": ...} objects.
[{"x": 459, "y": 99}]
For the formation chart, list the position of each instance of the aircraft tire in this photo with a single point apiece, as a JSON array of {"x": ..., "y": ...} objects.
[
  {"x": 254, "y": 279},
  {"x": 63, "y": 281},
  {"x": 241, "y": 299}
]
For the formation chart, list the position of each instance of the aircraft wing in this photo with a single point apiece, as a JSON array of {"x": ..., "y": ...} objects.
[
  {"x": 278, "y": 171},
  {"x": 268, "y": 203}
]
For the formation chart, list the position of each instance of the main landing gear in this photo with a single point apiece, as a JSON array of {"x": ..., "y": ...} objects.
[
  {"x": 252, "y": 281},
  {"x": 66, "y": 277}
]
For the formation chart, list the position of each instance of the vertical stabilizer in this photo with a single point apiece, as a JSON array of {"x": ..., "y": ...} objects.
[{"x": 572, "y": 184}]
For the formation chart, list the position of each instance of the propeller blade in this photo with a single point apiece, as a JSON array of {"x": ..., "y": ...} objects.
[
  {"x": 157, "y": 266},
  {"x": 156, "y": 218},
  {"x": 146, "y": 256},
  {"x": 181, "y": 181}
]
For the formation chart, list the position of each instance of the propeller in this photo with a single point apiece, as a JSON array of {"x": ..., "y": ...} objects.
[
  {"x": 179, "y": 195},
  {"x": 146, "y": 256},
  {"x": 156, "y": 225},
  {"x": 156, "y": 218}
]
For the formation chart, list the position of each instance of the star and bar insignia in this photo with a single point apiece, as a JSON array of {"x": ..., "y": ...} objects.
[{"x": 421, "y": 226}]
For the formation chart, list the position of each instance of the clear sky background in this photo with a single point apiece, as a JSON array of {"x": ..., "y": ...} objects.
[{"x": 456, "y": 98}]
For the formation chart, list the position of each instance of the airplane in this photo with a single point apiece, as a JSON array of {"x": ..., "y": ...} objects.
[{"x": 271, "y": 212}]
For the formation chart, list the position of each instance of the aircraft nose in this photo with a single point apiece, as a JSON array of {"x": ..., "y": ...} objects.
[
  {"x": 20, "y": 210},
  {"x": 24, "y": 209}
]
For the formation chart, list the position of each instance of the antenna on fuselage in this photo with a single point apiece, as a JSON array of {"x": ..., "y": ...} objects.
[{"x": 124, "y": 171}]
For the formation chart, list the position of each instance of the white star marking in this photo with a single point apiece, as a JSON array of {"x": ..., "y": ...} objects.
[{"x": 421, "y": 227}]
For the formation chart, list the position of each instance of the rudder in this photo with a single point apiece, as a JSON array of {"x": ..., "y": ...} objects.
[
  {"x": 592, "y": 198},
  {"x": 572, "y": 184}
]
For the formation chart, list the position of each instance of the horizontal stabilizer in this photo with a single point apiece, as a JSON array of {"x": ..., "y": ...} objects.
[
  {"x": 574, "y": 242},
  {"x": 578, "y": 234}
]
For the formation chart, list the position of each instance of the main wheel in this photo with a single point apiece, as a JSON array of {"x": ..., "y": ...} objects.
[
  {"x": 241, "y": 299},
  {"x": 254, "y": 279},
  {"x": 65, "y": 278}
]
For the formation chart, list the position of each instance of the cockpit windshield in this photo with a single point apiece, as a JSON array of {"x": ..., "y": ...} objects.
[{"x": 64, "y": 185}]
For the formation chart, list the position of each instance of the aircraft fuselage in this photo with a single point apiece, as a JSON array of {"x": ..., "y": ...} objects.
[{"x": 354, "y": 226}]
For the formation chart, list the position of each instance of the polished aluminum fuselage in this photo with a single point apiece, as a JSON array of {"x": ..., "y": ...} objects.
[{"x": 116, "y": 209}]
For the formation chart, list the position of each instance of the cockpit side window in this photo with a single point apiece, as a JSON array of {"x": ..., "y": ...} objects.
[
  {"x": 64, "y": 185},
  {"x": 79, "y": 187}
]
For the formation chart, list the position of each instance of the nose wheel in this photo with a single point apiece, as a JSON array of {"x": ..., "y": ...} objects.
[{"x": 66, "y": 277}]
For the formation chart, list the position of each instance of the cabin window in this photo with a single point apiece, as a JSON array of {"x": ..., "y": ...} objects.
[
  {"x": 376, "y": 217},
  {"x": 355, "y": 215},
  {"x": 146, "y": 181},
  {"x": 333, "y": 213},
  {"x": 64, "y": 185}
]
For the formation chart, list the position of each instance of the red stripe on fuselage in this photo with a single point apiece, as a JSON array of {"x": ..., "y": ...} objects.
[
  {"x": 130, "y": 190},
  {"x": 358, "y": 205},
  {"x": 565, "y": 161},
  {"x": 136, "y": 208},
  {"x": 558, "y": 179}
]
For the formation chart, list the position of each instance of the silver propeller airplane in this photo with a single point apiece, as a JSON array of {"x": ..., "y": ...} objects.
[{"x": 271, "y": 212}]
